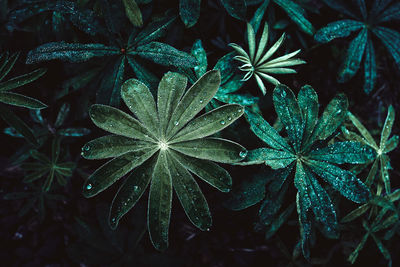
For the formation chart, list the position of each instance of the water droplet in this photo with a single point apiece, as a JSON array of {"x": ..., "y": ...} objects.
[
  {"x": 86, "y": 148},
  {"x": 283, "y": 93},
  {"x": 229, "y": 118},
  {"x": 239, "y": 110},
  {"x": 201, "y": 101},
  {"x": 243, "y": 154},
  {"x": 113, "y": 220},
  {"x": 223, "y": 122},
  {"x": 135, "y": 188},
  {"x": 89, "y": 186},
  {"x": 338, "y": 111},
  {"x": 176, "y": 123},
  {"x": 208, "y": 229}
]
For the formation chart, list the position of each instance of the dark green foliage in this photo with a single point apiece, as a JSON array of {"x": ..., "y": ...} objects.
[
  {"x": 369, "y": 24},
  {"x": 308, "y": 154},
  {"x": 6, "y": 64},
  {"x": 140, "y": 44}
]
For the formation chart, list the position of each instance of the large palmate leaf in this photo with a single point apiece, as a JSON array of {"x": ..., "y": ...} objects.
[
  {"x": 166, "y": 144},
  {"x": 361, "y": 47},
  {"x": 118, "y": 58},
  {"x": 299, "y": 118}
]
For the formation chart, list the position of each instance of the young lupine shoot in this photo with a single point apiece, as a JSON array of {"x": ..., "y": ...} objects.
[
  {"x": 166, "y": 144},
  {"x": 258, "y": 61}
]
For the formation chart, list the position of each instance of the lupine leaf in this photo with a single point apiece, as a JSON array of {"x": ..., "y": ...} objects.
[
  {"x": 152, "y": 31},
  {"x": 266, "y": 132},
  {"x": 276, "y": 159},
  {"x": 340, "y": 6},
  {"x": 390, "y": 39},
  {"x": 113, "y": 170},
  {"x": 387, "y": 127},
  {"x": 258, "y": 15},
  {"x": 391, "y": 144},
  {"x": 215, "y": 149},
  {"x": 142, "y": 73},
  {"x": 133, "y": 12},
  {"x": 169, "y": 93},
  {"x": 333, "y": 115},
  {"x": 207, "y": 171},
  {"x": 111, "y": 146},
  {"x": 22, "y": 80},
  {"x": 21, "y": 101},
  {"x": 160, "y": 201},
  {"x": 369, "y": 67},
  {"x": 337, "y": 29},
  {"x": 8, "y": 64},
  {"x": 196, "y": 98},
  {"x": 308, "y": 103},
  {"x": 190, "y": 195},
  {"x": 353, "y": 58},
  {"x": 140, "y": 101},
  {"x": 391, "y": 13},
  {"x": 343, "y": 181},
  {"x": 130, "y": 192},
  {"x": 297, "y": 14},
  {"x": 167, "y": 55},
  {"x": 117, "y": 122},
  {"x": 226, "y": 66},
  {"x": 289, "y": 113},
  {"x": 235, "y": 8},
  {"x": 110, "y": 87},
  {"x": 189, "y": 10},
  {"x": 363, "y": 131},
  {"x": 355, "y": 213},
  {"x": 71, "y": 52},
  {"x": 209, "y": 123},
  {"x": 11, "y": 119},
  {"x": 344, "y": 152},
  {"x": 201, "y": 56}
]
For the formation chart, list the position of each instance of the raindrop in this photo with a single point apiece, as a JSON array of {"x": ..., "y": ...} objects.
[
  {"x": 201, "y": 101},
  {"x": 89, "y": 186},
  {"x": 176, "y": 123},
  {"x": 86, "y": 148},
  {"x": 243, "y": 154},
  {"x": 240, "y": 110},
  {"x": 135, "y": 188},
  {"x": 208, "y": 229},
  {"x": 229, "y": 118},
  {"x": 223, "y": 122}
]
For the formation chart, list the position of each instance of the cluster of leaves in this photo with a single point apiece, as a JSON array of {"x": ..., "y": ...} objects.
[{"x": 104, "y": 51}]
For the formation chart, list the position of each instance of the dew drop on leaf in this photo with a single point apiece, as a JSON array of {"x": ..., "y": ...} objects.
[
  {"x": 223, "y": 122},
  {"x": 242, "y": 154},
  {"x": 89, "y": 186},
  {"x": 176, "y": 123}
]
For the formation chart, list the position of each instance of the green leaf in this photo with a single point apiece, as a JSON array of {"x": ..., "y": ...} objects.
[
  {"x": 110, "y": 87},
  {"x": 361, "y": 5},
  {"x": 344, "y": 152},
  {"x": 276, "y": 159},
  {"x": 266, "y": 132},
  {"x": 337, "y": 29},
  {"x": 304, "y": 223},
  {"x": 384, "y": 160},
  {"x": 332, "y": 117},
  {"x": 201, "y": 56},
  {"x": 226, "y": 66},
  {"x": 133, "y": 12},
  {"x": 164, "y": 54},
  {"x": 308, "y": 103},
  {"x": 11, "y": 119},
  {"x": 235, "y": 8},
  {"x": 353, "y": 58},
  {"x": 22, "y": 80},
  {"x": 71, "y": 52},
  {"x": 189, "y": 10},
  {"x": 195, "y": 99},
  {"x": 152, "y": 31},
  {"x": 387, "y": 127},
  {"x": 343, "y": 181},
  {"x": 160, "y": 201},
  {"x": 258, "y": 15},
  {"x": 190, "y": 195},
  {"x": 117, "y": 122},
  {"x": 112, "y": 146},
  {"x": 208, "y": 171},
  {"x": 113, "y": 170},
  {"x": 130, "y": 192},
  {"x": 20, "y": 100},
  {"x": 142, "y": 73},
  {"x": 215, "y": 149},
  {"x": 74, "y": 132},
  {"x": 369, "y": 67},
  {"x": 140, "y": 102},
  {"x": 390, "y": 39},
  {"x": 244, "y": 100},
  {"x": 355, "y": 213},
  {"x": 169, "y": 93},
  {"x": 297, "y": 14},
  {"x": 321, "y": 204},
  {"x": 209, "y": 123},
  {"x": 289, "y": 113},
  {"x": 391, "y": 144},
  {"x": 7, "y": 64},
  {"x": 278, "y": 222},
  {"x": 363, "y": 131},
  {"x": 340, "y": 6},
  {"x": 391, "y": 13}
]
